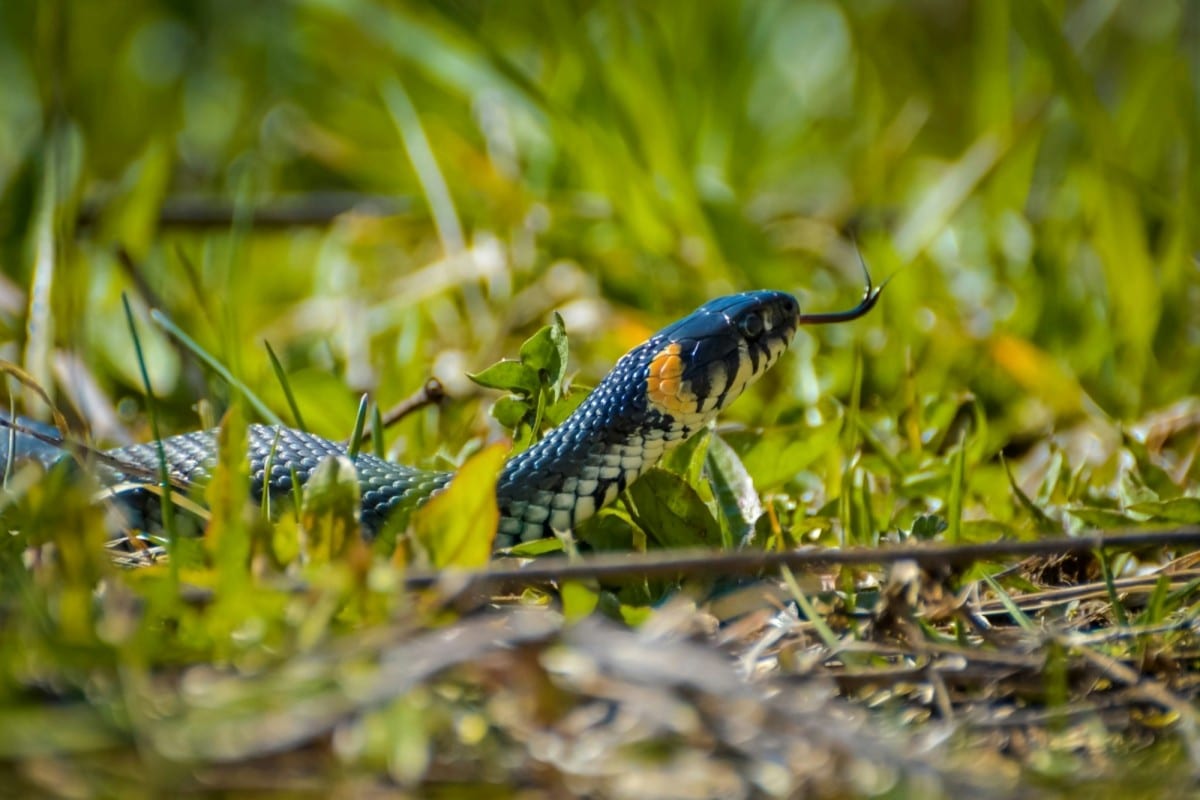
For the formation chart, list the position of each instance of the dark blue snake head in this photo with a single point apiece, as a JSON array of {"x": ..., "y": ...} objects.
[
  {"x": 657, "y": 395},
  {"x": 701, "y": 363}
]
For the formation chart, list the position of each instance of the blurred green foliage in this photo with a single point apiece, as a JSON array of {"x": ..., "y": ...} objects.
[
  {"x": 1031, "y": 166},
  {"x": 386, "y": 191}
]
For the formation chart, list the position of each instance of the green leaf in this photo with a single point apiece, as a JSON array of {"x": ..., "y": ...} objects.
[
  {"x": 611, "y": 529},
  {"x": 633, "y": 616},
  {"x": 557, "y": 412},
  {"x": 510, "y": 411},
  {"x": 671, "y": 512},
  {"x": 227, "y": 537},
  {"x": 1043, "y": 521},
  {"x": 688, "y": 458},
  {"x": 546, "y": 352},
  {"x": 508, "y": 376},
  {"x": 1153, "y": 476},
  {"x": 537, "y": 547},
  {"x": 927, "y": 526},
  {"x": 329, "y": 514},
  {"x": 578, "y": 599},
  {"x": 457, "y": 526},
  {"x": 1102, "y": 517},
  {"x": 1185, "y": 510},
  {"x": 738, "y": 503},
  {"x": 927, "y": 481},
  {"x": 774, "y": 456}
]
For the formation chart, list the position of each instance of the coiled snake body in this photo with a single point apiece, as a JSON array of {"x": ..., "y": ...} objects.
[{"x": 654, "y": 398}]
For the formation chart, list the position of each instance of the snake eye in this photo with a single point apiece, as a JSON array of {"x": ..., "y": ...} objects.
[{"x": 751, "y": 326}]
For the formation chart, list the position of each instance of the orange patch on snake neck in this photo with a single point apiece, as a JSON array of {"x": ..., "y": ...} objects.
[{"x": 664, "y": 383}]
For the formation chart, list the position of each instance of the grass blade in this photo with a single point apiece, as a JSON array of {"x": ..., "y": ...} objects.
[
  {"x": 356, "y": 437},
  {"x": 445, "y": 218},
  {"x": 1020, "y": 617},
  {"x": 1114, "y": 599},
  {"x": 164, "y": 475},
  {"x": 192, "y": 345},
  {"x": 954, "y": 501},
  {"x": 268, "y": 465},
  {"x": 281, "y": 376},
  {"x": 828, "y": 637},
  {"x": 39, "y": 322},
  {"x": 377, "y": 431}
]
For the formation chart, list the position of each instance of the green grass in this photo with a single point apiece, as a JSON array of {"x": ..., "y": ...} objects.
[{"x": 1028, "y": 171}]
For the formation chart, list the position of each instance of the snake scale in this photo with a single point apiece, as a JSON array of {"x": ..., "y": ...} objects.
[{"x": 656, "y": 396}]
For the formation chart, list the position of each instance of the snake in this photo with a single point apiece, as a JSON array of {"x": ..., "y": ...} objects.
[{"x": 656, "y": 396}]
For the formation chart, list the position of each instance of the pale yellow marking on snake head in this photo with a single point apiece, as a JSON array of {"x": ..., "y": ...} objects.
[
  {"x": 733, "y": 385},
  {"x": 744, "y": 375}
]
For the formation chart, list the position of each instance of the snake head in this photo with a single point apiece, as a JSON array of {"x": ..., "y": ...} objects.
[
  {"x": 658, "y": 394},
  {"x": 703, "y": 362}
]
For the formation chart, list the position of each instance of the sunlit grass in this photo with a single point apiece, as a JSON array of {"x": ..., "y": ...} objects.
[{"x": 1028, "y": 171}]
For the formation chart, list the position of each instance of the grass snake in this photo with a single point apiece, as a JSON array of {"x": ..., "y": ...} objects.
[{"x": 656, "y": 396}]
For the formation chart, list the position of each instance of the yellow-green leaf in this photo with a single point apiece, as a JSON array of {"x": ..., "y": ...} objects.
[
  {"x": 227, "y": 537},
  {"x": 672, "y": 513},
  {"x": 457, "y": 527},
  {"x": 509, "y": 376},
  {"x": 546, "y": 352},
  {"x": 579, "y": 599},
  {"x": 329, "y": 516}
]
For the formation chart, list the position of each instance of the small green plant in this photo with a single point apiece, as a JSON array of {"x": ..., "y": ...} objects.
[{"x": 537, "y": 386}]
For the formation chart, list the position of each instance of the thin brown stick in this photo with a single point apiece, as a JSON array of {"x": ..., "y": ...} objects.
[
  {"x": 316, "y": 209},
  {"x": 1140, "y": 584},
  {"x": 86, "y": 455},
  {"x": 677, "y": 563},
  {"x": 429, "y": 394},
  {"x": 637, "y": 566}
]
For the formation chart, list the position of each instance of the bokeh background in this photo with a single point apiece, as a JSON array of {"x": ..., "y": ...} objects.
[{"x": 389, "y": 190}]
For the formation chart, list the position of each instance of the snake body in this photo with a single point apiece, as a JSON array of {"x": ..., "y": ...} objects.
[{"x": 655, "y": 397}]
